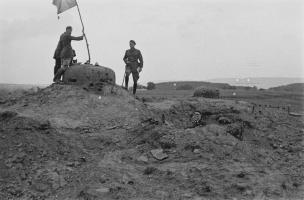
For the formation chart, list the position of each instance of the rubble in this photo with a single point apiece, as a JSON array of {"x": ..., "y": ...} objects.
[
  {"x": 143, "y": 159},
  {"x": 224, "y": 120},
  {"x": 159, "y": 154},
  {"x": 236, "y": 130},
  {"x": 196, "y": 151}
]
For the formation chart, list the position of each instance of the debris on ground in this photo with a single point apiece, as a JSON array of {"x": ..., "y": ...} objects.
[
  {"x": 159, "y": 154},
  {"x": 75, "y": 144}
]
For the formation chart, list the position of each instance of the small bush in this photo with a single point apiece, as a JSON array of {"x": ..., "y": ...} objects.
[
  {"x": 207, "y": 93},
  {"x": 151, "y": 86}
]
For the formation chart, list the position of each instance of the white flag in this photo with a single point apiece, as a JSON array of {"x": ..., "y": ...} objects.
[{"x": 63, "y": 5}]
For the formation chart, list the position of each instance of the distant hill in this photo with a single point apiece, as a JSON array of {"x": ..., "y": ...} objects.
[
  {"x": 14, "y": 87},
  {"x": 264, "y": 82},
  {"x": 295, "y": 87},
  {"x": 194, "y": 84}
]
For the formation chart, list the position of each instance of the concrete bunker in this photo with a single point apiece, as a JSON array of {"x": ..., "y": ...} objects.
[{"x": 87, "y": 74}]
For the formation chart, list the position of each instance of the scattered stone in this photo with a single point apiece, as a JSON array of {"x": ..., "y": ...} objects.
[
  {"x": 196, "y": 151},
  {"x": 248, "y": 192},
  {"x": 127, "y": 180},
  {"x": 73, "y": 164},
  {"x": 224, "y": 120},
  {"x": 19, "y": 145},
  {"x": 44, "y": 126},
  {"x": 274, "y": 145},
  {"x": 159, "y": 154},
  {"x": 102, "y": 190},
  {"x": 43, "y": 154},
  {"x": 167, "y": 142},
  {"x": 143, "y": 159},
  {"x": 187, "y": 195},
  {"x": 83, "y": 159},
  {"x": 150, "y": 170},
  {"x": 192, "y": 146},
  {"x": 236, "y": 130},
  {"x": 241, "y": 175}
]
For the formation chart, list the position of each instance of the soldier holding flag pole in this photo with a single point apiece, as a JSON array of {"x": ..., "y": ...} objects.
[
  {"x": 63, "y": 5},
  {"x": 65, "y": 52}
]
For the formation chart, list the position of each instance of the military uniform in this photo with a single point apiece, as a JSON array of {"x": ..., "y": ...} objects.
[
  {"x": 65, "y": 52},
  {"x": 133, "y": 60},
  {"x": 57, "y": 56}
]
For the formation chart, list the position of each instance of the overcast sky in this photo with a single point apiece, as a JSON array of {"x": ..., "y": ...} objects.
[{"x": 179, "y": 39}]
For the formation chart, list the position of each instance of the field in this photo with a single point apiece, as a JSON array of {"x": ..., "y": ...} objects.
[{"x": 294, "y": 100}]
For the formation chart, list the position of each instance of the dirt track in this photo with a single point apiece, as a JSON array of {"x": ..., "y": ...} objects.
[{"x": 65, "y": 142}]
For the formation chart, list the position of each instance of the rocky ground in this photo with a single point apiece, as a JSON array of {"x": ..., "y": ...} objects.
[{"x": 67, "y": 142}]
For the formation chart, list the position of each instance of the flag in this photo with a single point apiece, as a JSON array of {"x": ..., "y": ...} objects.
[{"x": 63, "y": 5}]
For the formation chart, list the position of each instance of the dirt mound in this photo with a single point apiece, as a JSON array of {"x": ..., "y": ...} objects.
[
  {"x": 99, "y": 142},
  {"x": 71, "y": 107}
]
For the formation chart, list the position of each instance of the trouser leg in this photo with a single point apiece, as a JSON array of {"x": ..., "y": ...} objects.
[
  {"x": 135, "y": 76},
  {"x": 60, "y": 72},
  {"x": 134, "y": 87},
  {"x": 127, "y": 80},
  {"x": 57, "y": 65}
]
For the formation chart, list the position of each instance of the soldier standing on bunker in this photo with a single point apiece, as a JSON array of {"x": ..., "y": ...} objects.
[
  {"x": 64, "y": 52},
  {"x": 57, "y": 55},
  {"x": 131, "y": 58}
]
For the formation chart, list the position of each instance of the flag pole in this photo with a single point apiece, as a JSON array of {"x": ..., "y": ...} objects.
[{"x": 85, "y": 37}]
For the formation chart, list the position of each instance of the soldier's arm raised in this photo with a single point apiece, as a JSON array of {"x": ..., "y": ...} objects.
[{"x": 77, "y": 38}]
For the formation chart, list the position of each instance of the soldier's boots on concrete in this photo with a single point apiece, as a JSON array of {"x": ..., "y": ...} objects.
[{"x": 59, "y": 73}]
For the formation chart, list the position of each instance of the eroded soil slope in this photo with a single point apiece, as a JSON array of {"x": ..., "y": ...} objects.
[{"x": 66, "y": 142}]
